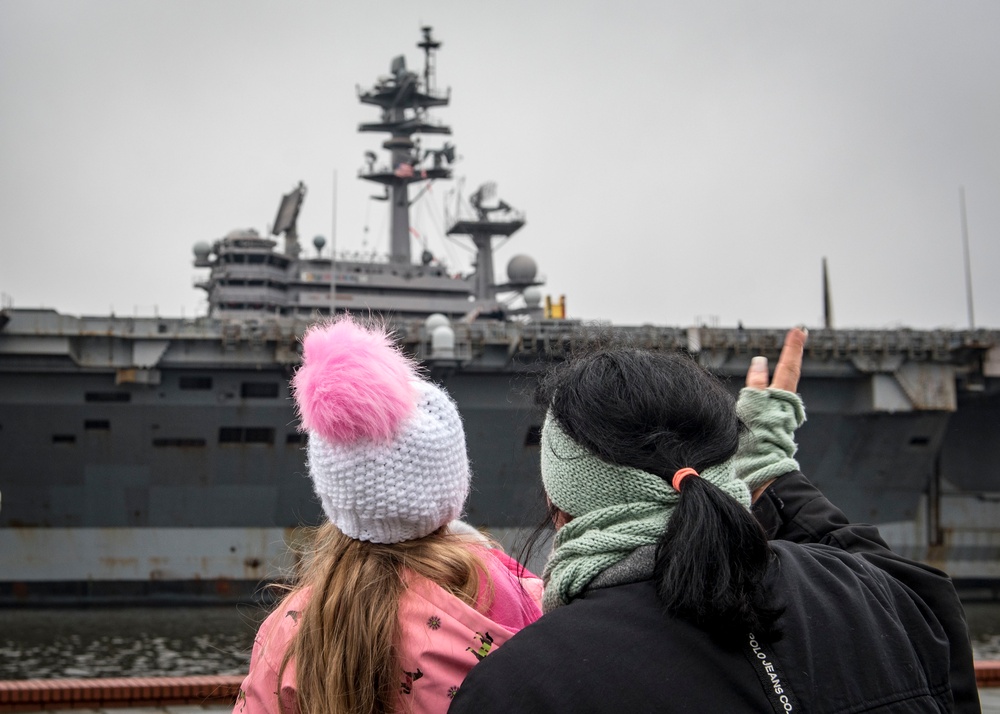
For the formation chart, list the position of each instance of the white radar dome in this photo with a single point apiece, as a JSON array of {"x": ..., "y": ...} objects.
[
  {"x": 443, "y": 342},
  {"x": 522, "y": 269},
  {"x": 436, "y": 320},
  {"x": 532, "y": 296},
  {"x": 201, "y": 250}
]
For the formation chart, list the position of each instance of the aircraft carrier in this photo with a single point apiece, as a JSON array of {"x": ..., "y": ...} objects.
[{"x": 158, "y": 458}]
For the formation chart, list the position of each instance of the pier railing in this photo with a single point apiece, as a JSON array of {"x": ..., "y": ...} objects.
[
  {"x": 119, "y": 692},
  {"x": 215, "y": 692}
]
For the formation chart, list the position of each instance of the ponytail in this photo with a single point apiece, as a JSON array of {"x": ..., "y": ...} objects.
[{"x": 711, "y": 562}]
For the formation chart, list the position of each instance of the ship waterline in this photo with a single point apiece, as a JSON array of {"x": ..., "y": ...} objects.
[{"x": 142, "y": 564}]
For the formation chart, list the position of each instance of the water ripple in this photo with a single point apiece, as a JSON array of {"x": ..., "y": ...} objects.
[
  {"x": 126, "y": 642},
  {"x": 53, "y": 643}
]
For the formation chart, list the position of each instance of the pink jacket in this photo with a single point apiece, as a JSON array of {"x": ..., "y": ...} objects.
[{"x": 442, "y": 639}]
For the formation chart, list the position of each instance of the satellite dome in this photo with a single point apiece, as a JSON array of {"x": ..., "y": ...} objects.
[
  {"x": 436, "y": 320},
  {"x": 318, "y": 243},
  {"x": 443, "y": 338},
  {"x": 521, "y": 270},
  {"x": 532, "y": 296},
  {"x": 201, "y": 250},
  {"x": 443, "y": 342}
]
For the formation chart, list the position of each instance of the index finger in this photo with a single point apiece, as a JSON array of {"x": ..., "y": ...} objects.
[{"x": 789, "y": 367}]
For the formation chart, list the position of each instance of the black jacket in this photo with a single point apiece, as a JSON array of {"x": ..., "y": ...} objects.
[{"x": 863, "y": 630}]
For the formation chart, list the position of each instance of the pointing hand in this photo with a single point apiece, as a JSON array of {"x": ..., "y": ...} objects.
[{"x": 789, "y": 369}]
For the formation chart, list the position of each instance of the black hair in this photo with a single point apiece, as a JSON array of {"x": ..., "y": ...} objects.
[{"x": 659, "y": 412}]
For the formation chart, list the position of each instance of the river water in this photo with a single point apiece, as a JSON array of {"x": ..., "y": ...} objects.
[
  {"x": 124, "y": 642},
  {"x": 167, "y": 641}
]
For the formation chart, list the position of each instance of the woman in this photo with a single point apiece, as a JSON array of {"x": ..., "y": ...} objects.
[
  {"x": 663, "y": 592},
  {"x": 396, "y": 600}
]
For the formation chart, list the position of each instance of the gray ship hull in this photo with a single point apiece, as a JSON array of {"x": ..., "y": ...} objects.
[{"x": 160, "y": 458}]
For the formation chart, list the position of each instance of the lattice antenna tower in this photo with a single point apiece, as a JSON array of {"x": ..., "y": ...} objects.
[{"x": 428, "y": 45}]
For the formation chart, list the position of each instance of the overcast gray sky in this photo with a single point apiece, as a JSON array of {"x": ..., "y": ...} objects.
[{"x": 677, "y": 162}]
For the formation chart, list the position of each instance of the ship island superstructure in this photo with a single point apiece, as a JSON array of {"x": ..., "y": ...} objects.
[
  {"x": 248, "y": 277},
  {"x": 160, "y": 457}
]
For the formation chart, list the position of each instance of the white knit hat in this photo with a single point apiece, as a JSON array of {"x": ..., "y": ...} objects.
[{"x": 386, "y": 448}]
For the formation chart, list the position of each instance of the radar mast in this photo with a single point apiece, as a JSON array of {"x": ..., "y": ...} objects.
[
  {"x": 481, "y": 230},
  {"x": 404, "y": 99}
]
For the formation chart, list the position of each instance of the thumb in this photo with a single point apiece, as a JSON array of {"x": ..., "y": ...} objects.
[{"x": 757, "y": 374}]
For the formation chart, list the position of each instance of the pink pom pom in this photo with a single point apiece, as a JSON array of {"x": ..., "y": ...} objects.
[{"x": 353, "y": 383}]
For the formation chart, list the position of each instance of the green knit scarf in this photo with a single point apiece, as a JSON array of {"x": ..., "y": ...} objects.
[{"x": 617, "y": 509}]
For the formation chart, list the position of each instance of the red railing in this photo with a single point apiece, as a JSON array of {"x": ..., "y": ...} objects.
[{"x": 48, "y": 694}]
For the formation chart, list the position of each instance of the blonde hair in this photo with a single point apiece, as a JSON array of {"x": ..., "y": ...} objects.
[{"x": 346, "y": 645}]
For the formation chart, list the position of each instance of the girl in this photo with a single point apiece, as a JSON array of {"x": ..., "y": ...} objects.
[{"x": 396, "y": 599}]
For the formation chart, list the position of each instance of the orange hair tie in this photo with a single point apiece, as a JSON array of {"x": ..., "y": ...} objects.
[{"x": 681, "y": 475}]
